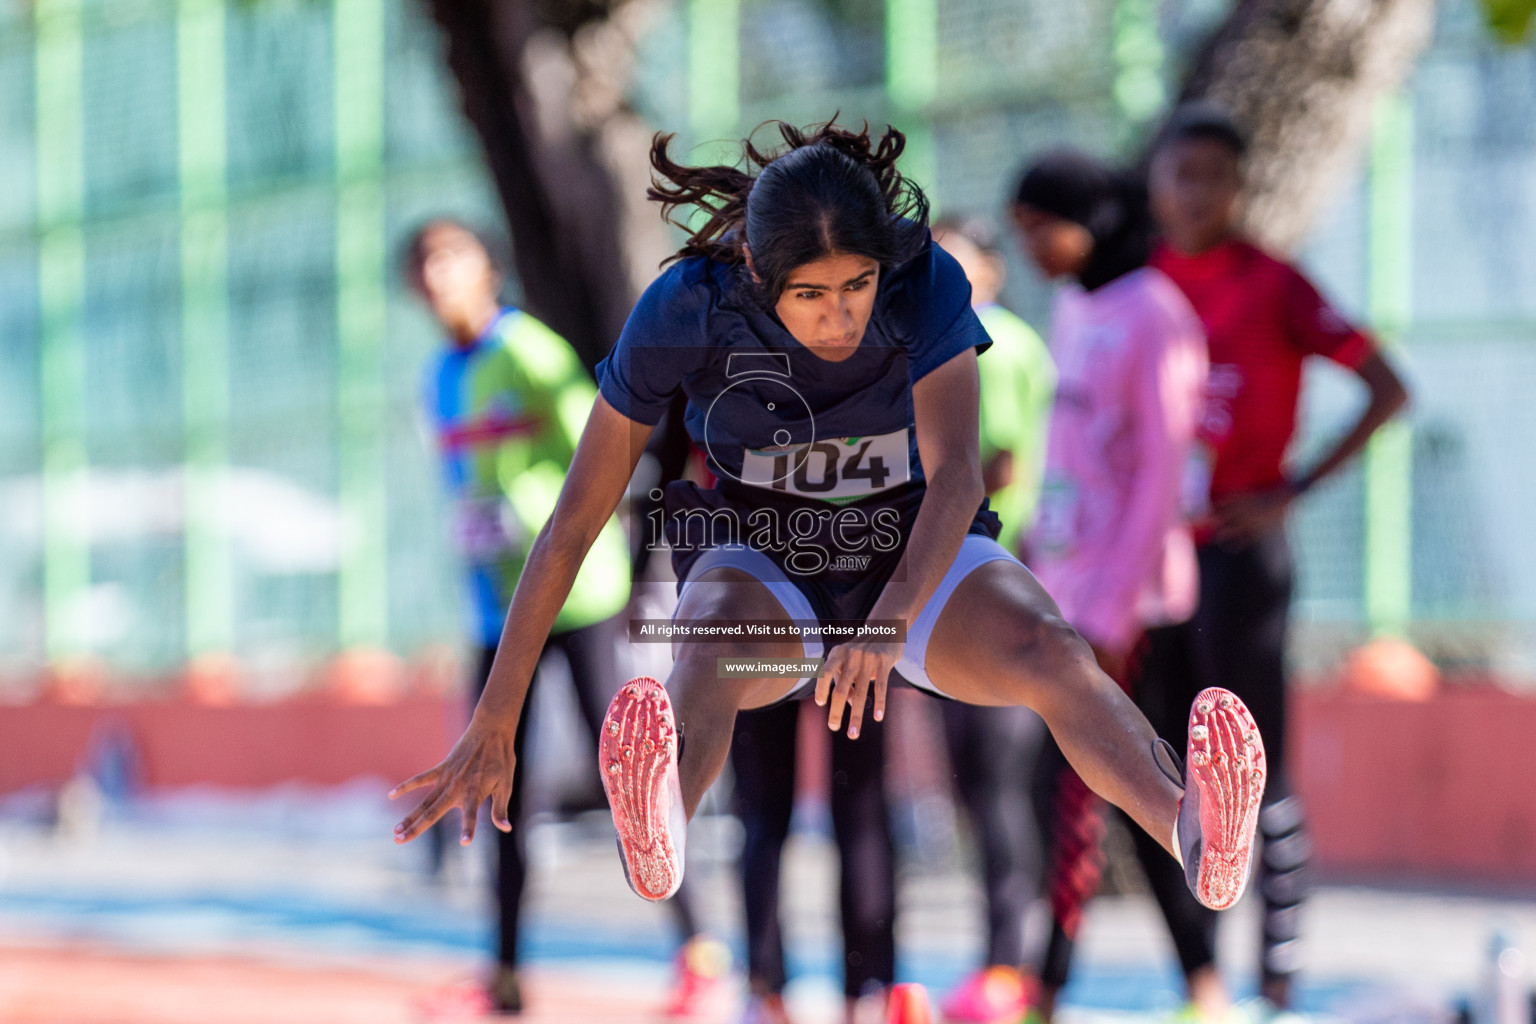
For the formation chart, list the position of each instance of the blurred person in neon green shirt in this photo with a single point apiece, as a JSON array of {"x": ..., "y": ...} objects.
[
  {"x": 994, "y": 751},
  {"x": 1018, "y": 381},
  {"x": 507, "y": 399}
]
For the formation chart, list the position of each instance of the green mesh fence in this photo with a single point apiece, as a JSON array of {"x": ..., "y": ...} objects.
[
  {"x": 208, "y": 426},
  {"x": 1469, "y": 349},
  {"x": 210, "y": 417},
  {"x": 1432, "y": 243}
]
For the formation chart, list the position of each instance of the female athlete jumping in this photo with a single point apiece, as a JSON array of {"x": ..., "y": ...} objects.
[{"x": 828, "y": 351}]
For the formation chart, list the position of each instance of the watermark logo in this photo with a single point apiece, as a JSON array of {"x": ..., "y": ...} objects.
[
  {"x": 705, "y": 631},
  {"x": 850, "y": 563},
  {"x": 808, "y": 541},
  {"x": 759, "y": 382},
  {"x": 763, "y": 437},
  {"x": 796, "y": 460}
]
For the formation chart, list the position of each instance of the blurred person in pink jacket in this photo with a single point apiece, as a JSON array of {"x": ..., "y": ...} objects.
[{"x": 1110, "y": 541}]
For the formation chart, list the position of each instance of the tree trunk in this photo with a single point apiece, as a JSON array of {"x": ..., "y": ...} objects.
[
  {"x": 544, "y": 86},
  {"x": 543, "y": 82},
  {"x": 1304, "y": 76}
]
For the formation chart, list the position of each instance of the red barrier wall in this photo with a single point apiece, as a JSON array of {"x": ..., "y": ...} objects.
[
  {"x": 1443, "y": 789},
  {"x": 1436, "y": 790},
  {"x": 179, "y": 743}
]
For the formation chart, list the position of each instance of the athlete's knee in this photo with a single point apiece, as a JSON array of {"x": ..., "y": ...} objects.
[
  {"x": 701, "y": 689},
  {"x": 1043, "y": 653},
  {"x": 1063, "y": 646},
  {"x": 716, "y": 608}
]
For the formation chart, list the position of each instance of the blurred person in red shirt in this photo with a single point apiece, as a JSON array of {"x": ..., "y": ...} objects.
[{"x": 1262, "y": 319}]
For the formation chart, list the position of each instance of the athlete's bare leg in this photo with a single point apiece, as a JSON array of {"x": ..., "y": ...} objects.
[
  {"x": 662, "y": 747},
  {"x": 706, "y": 704},
  {"x": 1001, "y": 641}
]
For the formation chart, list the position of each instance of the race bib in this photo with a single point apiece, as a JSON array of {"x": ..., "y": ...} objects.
[
  {"x": 839, "y": 469},
  {"x": 1056, "y": 517}
]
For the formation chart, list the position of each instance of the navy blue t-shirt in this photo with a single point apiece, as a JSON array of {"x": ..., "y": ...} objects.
[
  {"x": 768, "y": 412},
  {"x": 817, "y": 461}
]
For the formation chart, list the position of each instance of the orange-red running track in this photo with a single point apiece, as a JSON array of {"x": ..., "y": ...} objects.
[{"x": 85, "y": 985}]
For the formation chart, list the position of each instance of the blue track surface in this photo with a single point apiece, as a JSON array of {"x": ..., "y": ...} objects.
[{"x": 191, "y": 921}]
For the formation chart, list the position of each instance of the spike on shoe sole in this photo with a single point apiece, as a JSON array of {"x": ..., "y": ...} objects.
[
  {"x": 1227, "y": 764},
  {"x": 637, "y": 756}
]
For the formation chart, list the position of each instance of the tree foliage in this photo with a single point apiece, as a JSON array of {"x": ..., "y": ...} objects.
[
  {"x": 1510, "y": 20},
  {"x": 1305, "y": 76},
  {"x": 544, "y": 83}
]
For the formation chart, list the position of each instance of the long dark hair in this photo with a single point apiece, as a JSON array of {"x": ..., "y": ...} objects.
[
  {"x": 827, "y": 190},
  {"x": 1111, "y": 204},
  {"x": 1123, "y": 242}
]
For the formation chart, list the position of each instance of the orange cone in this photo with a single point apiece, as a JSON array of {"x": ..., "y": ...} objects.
[
  {"x": 908, "y": 1005},
  {"x": 1392, "y": 669}
]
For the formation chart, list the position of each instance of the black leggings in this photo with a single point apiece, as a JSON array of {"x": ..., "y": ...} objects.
[
  {"x": 1235, "y": 640},
  {"x": 763, "y": 761},
  {"x": 591, "y": 653},
  {"x": 994, "y": 753}
]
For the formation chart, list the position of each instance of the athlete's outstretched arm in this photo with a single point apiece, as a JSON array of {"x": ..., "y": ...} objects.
[
  {"x": 945, "y": 407},
  {"x": 481, "y": 763}
]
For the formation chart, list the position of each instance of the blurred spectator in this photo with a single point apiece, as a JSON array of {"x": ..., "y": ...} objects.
[
  {"x": 1262, "y": 319},
  {"x": 994, "y": 751},
  {"x": 1018, "y": 381},
  {"x": 507, "y": 398},
  {"x": 1110, "y": 541},
  {"x": 763, "y": 761}
]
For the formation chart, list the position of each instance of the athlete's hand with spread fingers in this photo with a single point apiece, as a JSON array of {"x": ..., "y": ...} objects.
[
  {"x": 851, "y": 673},
  {"x": 480, "y": 766}
]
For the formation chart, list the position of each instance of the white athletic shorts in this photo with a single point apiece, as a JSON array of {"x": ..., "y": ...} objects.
[{"x": 975, "y": 550}]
